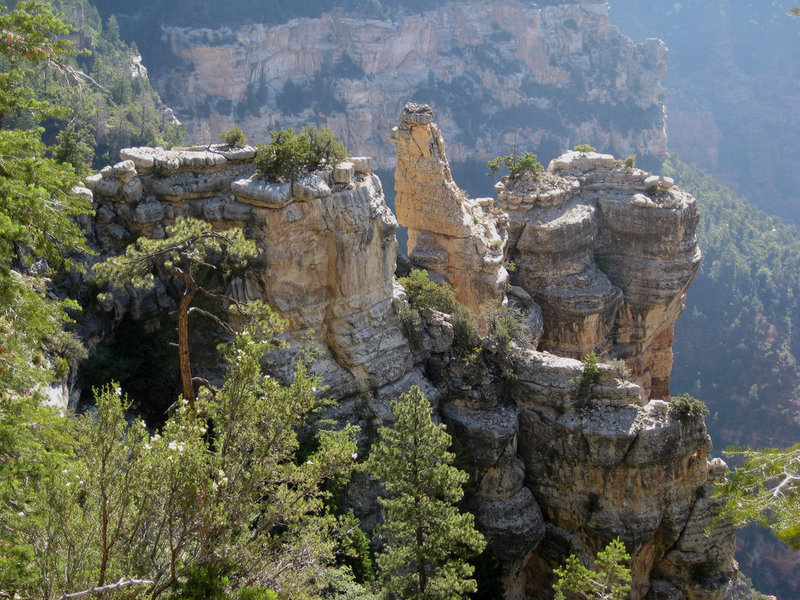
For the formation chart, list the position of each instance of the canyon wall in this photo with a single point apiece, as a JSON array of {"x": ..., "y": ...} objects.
[
  {"x": 501, "y": 74},
  {"x": 555, "y": 470}
]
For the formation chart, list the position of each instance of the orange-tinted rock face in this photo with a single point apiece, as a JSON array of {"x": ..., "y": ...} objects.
[{"x": 456, "y": 237}]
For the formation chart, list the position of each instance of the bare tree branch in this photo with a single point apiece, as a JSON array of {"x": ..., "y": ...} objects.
[{"x": 100, "y": 590}]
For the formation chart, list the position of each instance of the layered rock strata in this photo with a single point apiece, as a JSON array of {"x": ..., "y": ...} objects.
[
  {"x": 556, "y": 472},
  {"x": 610, "y": 465},
  {"x": 449, "y": 234},
  {"x": 608, "y": 252},
  {"x": 326, "y": 248}
]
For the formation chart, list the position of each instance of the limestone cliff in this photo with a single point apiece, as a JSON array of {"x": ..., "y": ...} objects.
[
  {"x": 499, "y": 72},
  {"x": 553, "y": 470},
  {"x": 608, "y": 251}
]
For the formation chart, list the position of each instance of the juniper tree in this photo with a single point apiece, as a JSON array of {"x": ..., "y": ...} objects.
[{"x": 427, "y": 540}]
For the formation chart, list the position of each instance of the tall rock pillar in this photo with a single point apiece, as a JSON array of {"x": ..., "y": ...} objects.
[{"x": 449, "y": 234}]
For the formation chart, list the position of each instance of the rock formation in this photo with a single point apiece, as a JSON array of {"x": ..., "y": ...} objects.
[
  {"x": 327, "y": 247},
  {"x": 546, "y": 74},
  {"x": 555, "y": 469},
  {"x": 449, "y": 234},
  {"x": 608, "y": 252}
]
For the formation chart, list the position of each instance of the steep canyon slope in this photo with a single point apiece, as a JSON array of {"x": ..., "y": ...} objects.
[
  {"x": 555, "y": 470},
  {"x": 731, "y": 90}
]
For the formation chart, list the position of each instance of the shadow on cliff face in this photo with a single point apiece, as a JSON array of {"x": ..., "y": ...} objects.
[{"x": 143, "y": 362}]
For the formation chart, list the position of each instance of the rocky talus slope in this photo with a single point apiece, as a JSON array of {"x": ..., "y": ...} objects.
[
  {"x": 554, "y": 470},
  {"x": 500, "y": 72}
]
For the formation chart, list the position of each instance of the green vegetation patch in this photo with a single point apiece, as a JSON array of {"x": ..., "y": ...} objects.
[{"x": 291, "y": 155}]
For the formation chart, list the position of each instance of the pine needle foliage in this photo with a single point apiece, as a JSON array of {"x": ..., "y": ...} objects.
[
  {"x": 38, "y": 205},
  {"x": 187, "y": 247},
  {"x": 427, "y": 540},
  {"x": 609, "y": 580},
  {"x": 765, "y": 490}
]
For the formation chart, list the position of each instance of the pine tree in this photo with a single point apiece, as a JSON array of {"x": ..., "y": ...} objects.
[
  {"x": 184, "y": 250},
  {"x": 427, "y": 539},
  {"x": 38, "y": 234},
  {"x": 609, "y": 580}
]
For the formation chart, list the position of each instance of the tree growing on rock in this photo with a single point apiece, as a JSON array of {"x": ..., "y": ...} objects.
[
  {"x": 609, "y": 580},
  {"x": 187, "y": 247},
  {"x": 427, "y": 540},
  {"x": 292, "y": 155}
]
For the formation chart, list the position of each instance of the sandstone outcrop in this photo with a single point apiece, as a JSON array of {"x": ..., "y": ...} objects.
[
  {"x": 608, "y": 252},
  {"x": 449, "y": 234},
  {"x": 327, "y": 248},
  {"x": 543, "y": 74}
]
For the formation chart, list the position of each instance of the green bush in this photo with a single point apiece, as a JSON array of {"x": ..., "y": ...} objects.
[
  {"x": 465, "y": 329},
  {"x": 516, "y": 165},
  {"x": 412, "y": 326},
  {"x": 630, "y": 161},
  {"x": 687, "y": 406},
  {"x": 505, "y": 326},
  {"x": 291, "y": 155},
  {"x": 619, "y": 367},
  {"x": 585, "y": 148},
  {"x": 424, "y": 293},
  {"x": 588, "y": 377},
  {"x": 235, "y": 138}
]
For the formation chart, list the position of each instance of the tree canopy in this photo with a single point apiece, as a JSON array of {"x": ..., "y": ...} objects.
[
  {"x": 765, "y": 489},
  {"x": 210, "y": 506}
]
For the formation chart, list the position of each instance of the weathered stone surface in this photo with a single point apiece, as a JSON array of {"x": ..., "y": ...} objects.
[
  {"x": 149, "y": 212},
  {"x": 310, "y": 187},
  {"x": 449, "y": 234},
  {"x": 147, "y": 159},
  {"x": 608, "y": 252},
  {"x": 343, "y": 172},
  {"x": 255, "y": 190},
  {"x": 362, "y": 164},
  {"x": 553, "y": 470},
  {"x": 326, "y": 260},
  {"x": 608, "y": 465}
]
